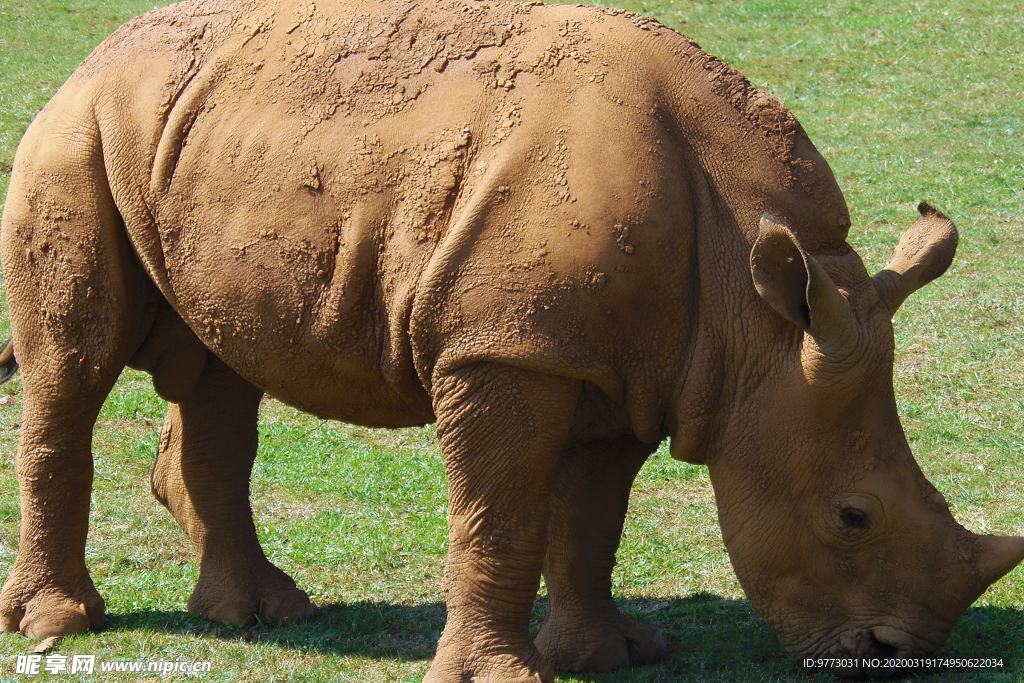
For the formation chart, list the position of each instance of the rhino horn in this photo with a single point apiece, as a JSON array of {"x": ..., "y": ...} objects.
[
  {"x": 797, "y": 287},
  {"x": 997, "y": 555},
  {"x": 923, "y": 254}
]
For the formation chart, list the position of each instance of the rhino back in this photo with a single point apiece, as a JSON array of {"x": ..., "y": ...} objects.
[
  {"x": 342, "y": 199},
  {"x": 291, "y": 176}
]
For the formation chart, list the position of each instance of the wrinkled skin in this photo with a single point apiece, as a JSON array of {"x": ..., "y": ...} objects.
[
  {"x": 561, "y": 233},
  {"x": 851, "y": 521}
]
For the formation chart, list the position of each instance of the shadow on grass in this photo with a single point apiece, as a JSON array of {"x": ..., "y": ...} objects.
[{"x": 708, "y": 638}]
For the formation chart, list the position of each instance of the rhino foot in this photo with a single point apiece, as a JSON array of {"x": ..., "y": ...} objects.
[
  {"x": 596, "y": 645},
  {"x": 44, "y": 611},
  {"x": 487, "y": 660},
  {"x": 241, "y": 598}
]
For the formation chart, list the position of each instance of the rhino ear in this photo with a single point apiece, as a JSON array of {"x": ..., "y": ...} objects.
[
  {"x": 923, "y": 254},
  {"x": 796, "y": 286}
]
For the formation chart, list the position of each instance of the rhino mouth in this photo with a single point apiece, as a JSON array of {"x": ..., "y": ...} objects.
[
  {"x": 869, "y": 653},
  {"x": 876, "y": 659}
]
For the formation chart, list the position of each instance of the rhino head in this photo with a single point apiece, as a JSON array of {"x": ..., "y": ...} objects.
[{"x": 838, "y": 539}]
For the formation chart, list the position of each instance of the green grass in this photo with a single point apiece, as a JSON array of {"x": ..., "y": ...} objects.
[{"x": 908, "y": 100}]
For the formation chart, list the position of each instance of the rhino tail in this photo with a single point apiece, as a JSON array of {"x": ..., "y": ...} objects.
[{"x": 8, "y": 363}]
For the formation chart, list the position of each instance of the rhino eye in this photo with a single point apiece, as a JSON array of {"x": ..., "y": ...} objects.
[{"x": 853, "y": 518}]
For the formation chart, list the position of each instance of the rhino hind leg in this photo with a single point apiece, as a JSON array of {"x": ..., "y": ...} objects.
[
  {"x": 501, "y": 430},
  {"x": 585, "y": 630},
  {"x": 80, "y": 305},
  {"x": 49, "y": 591},
  {"x": 8, "y": 363},
  {"x": 207, "y": 449}
]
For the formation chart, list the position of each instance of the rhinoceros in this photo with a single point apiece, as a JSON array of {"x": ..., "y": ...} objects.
[{"x": 562, "y": 233}]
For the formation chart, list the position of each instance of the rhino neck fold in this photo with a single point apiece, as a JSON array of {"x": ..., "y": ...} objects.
[
  {"x": 735, "y": 339},
  {"x": 747, "y": 156}
]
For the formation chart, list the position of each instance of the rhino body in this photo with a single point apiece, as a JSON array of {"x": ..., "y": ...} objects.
[{"x": 562, "y": 233}]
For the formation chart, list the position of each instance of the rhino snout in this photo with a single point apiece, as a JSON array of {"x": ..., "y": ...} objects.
[
  {"x": 864, "y": 653},
  {"x": 876, "y": 651},
  {"x": 871, "y": 653}
]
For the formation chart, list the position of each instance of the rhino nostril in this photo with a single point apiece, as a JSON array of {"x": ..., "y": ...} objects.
[
  {"x": 873, "y": 658},
  {"x": 881, "y": 657},
  {"x": 881, "y": 650}
]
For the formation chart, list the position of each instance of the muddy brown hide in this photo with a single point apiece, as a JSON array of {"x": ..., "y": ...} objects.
[
  {"x": 561, "y": 233},
  {"x": 838, "y": 539}
]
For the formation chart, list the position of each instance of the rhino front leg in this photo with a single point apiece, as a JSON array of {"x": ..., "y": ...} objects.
[
  {"x": 585, "y": 630},
  {"x": 502, "y": 431},
  {"x": 207, "y": 449}
]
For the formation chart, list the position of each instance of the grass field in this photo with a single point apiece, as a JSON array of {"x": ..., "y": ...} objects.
[{"x": 910, "y": 99}]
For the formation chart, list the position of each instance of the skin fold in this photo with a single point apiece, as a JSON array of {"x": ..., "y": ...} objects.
[{"x": 561, "y": 233}]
